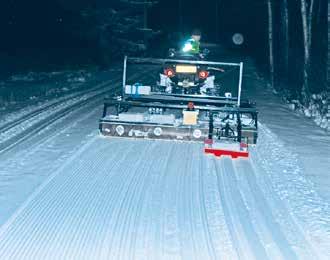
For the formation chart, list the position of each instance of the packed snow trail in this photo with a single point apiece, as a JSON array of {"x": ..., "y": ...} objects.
[
  {"x": 68, "y": 193},
  {"x": 117, "y": 199},
  {"x": 298, "y": 133}
]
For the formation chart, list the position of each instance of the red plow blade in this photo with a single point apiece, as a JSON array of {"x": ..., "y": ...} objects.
[
  {"x": 232, "y": 154},
  {"x": 234, "y": 150}
]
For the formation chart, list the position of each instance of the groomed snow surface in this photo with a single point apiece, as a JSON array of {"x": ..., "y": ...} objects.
[{"x": 68, "y": 193}]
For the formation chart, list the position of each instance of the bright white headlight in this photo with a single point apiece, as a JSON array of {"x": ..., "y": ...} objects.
[{"x": 187, "y": 47}]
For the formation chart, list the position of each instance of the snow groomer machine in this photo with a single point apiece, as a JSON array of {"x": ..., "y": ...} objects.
[{"x": 183, "y": 100}]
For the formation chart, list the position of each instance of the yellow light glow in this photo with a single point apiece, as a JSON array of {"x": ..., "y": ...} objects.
[{"x": 186, "y": 69}]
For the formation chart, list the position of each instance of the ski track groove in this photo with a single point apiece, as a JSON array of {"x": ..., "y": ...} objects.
[
  {"x": 198, "y": 206},
  {"x": 113, "y": 164},
  {"x": 109, "y": 206},
  {"x": 245, "y": 233},
  {"x": 170, "y": 227},
  {"x": 63, "y": 112},
  {"x": 53, "y": 103},
  {"x": 271, "y": 231},
  {"x": 202, "y": 207},
  {"x": 33, "y": 202},
  {"x": 143, "y": 201},
  {"x": 134, "y": 183},
  {"x": 41, "y": 229},
  {"x": 222, "y": 233},
  {"x": 158, "y": 191},
  {"x": 36, "y": 145},
  {"x": 160, "y": 233},
  {"x": 121, "y": 198},
  {"x": 161, "y": 171},
  {"x": 29, "y": 132},
  {"x": 103, "y": 194},
  {"x": 185, "y": 232},
  {"x": 135, "y": 201},
  {"x": 295, "y": 230},
  {"x": 91, "y": 190},
  {"x": 187, "y": 200},
  {"x": 227, "y": 212},
  {"x": 118, "y": 195},
  {"x": 77, "y": 193}
]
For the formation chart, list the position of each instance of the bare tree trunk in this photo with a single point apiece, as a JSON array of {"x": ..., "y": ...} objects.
[
  {"x": 286, "y": 35},
  {"x": 307, "y": 12},
  {"x": 306, "y": 49},
  {"x": 328, "y": 70},
  {"x": 328, "y": 58},
  {"x": 270, "y": 42},
  {"x": 310, "y": 20}
]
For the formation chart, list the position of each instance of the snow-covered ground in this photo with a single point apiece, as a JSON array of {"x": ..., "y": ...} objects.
[
  {"x": 302, "y": 137},
  {"x": 23, "y": 93},
  {"x": 68, "y": 193}
]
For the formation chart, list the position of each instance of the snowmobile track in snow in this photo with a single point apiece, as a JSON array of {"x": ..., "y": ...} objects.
[
  {"x": 103, "y": 204},
  {"x": 83, "y": 99},
  {"x": 124, "y": 199},
  {"x": 9, "y": 125},
  {"x": 40, "y": 125},
  {"x": 94, "y": 94}
]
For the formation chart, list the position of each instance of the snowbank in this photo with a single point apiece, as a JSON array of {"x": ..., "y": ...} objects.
[{"x": 317, "y": 109}]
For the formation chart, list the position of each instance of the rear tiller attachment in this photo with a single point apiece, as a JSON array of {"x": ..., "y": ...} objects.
[{"x": 216, "y": 117}]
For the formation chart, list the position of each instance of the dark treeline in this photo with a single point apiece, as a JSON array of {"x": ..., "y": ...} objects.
[
  {"x": 69, "y": 32},
  {"x": 297, "y": 37},
  {"x": 288, "y": 39}
]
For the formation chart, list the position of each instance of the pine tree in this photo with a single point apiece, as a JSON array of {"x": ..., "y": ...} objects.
[{"x": 121, "y": 27}]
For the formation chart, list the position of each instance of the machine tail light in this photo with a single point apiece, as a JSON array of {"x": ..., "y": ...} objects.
[
  {"x": 203, "y": 74},
  {"x": 169, "y": 72}
]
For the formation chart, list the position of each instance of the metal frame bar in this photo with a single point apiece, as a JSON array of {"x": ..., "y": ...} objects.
[
  {"x": 110, "y": 103},
  {"x": 124, "y": 75},
  {"x": 162, "y": 61},
  {"x": 175, "y": 99},
  {"x": 198, "y": 96},
  {"x": 240, "y": 84}
]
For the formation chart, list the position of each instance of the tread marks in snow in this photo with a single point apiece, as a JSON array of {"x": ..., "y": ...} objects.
[
  {"x": 170, "y": 244},
  {"x": 185, "y": 209},
  {"x": 135, "y": 203},
  {"x": 49, "y": 214},
  {"x": 137, "y": 198},
  {"x": 270, "y": 232},
  {"x": 244, "y": 237},
  {"x": 125, "y": 179},
  {"x": 142, "y": 242},
  {"x": 201, "y": 202}
]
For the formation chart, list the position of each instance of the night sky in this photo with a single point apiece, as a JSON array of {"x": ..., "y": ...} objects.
[
  {"x": 36, "y": 23},
  {"x": 42, "y": 24}
]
